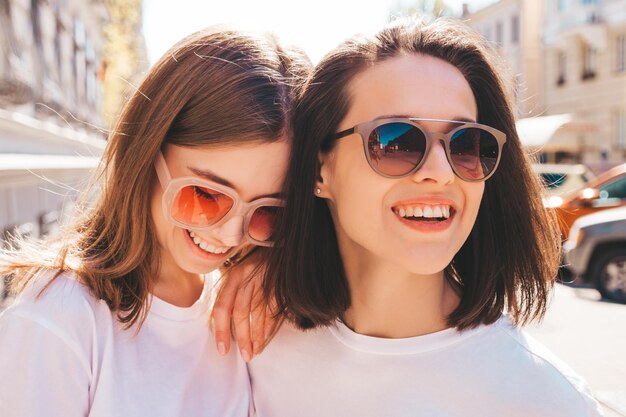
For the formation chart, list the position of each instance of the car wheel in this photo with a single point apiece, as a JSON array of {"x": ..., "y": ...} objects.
[{"x": 608, "y": 270}]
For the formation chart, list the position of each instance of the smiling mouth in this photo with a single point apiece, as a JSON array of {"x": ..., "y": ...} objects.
[
  {"x": 425, "y": 212},
  {"x": 205, "y": 246}
]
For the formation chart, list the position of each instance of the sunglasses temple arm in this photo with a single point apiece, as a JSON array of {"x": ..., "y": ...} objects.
[
  {"x": 343, "y": 133},
  {"x": 161, "y": 169}
]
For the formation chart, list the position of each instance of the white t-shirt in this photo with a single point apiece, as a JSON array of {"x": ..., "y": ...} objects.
[
  {"x": 65, "y": 354},
  {"x": 490, "y": 371}
]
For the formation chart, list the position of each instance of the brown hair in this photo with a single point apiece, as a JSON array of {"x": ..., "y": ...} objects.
[
  {"x": 511, "y": 257},
  {"x": 213, "y": 87}
]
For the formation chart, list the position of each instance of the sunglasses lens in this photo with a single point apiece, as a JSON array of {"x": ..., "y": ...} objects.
[
  {"x": 474, "y": 153},
  {"x": 262, "y": 222},
  {"x": 396, "y": 148},
  {"x": 200, "y": 206}
]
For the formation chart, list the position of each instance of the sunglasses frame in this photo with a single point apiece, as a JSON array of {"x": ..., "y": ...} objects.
[
  {"x": 171, "y": 186},
  {"x": 365, "y": 130}
]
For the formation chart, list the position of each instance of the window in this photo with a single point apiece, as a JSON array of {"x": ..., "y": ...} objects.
[
  {"x": 561, "y": 68},
  {"x": 589, "y": 62},
  {"x": 499, "y": 34},
  {"x": 561, "y": 5},
  {"x": 615, "y": 189},
  {"x": 48, "y": 223},
  {"x": 620, "y": 129},
  {"x": 35, "y": 21},
  {"x": 57, "y": 44},
  {"x": 515, "y": 29},
  {"x": 6, "y": 19},
  {"x": 620, "y": 53}
]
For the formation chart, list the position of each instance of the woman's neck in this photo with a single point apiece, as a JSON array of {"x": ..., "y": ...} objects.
[
  {"x": 176, "y": 286},
  {"x": 393, "y": 303}
]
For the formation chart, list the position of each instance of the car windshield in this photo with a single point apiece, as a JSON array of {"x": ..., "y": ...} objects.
[{"x": 553, "y": 179}]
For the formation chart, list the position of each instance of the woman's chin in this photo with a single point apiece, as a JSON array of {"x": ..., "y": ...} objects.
[
  {"x": 433, "y": 266},
  {"x": 204, "y": 268}
]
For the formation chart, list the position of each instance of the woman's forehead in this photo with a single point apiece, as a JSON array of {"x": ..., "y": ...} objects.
[
  {"x": 416, "y": 85},
  {"x": 252, "y": 169}
]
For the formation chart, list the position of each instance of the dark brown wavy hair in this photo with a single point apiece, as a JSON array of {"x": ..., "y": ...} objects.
[
  {"x": 218, "y": 86},
  {"x": 509, "y": 261}
]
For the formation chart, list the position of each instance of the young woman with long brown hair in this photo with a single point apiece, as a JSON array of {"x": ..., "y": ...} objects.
[
  {"x": 112, "y": 317},
  {"x": 413, "y": 243}
]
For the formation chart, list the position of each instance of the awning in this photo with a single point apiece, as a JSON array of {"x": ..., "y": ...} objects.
[
  {"x": 21, "y": 133},
  {"x": 29, "y": 169},
  {"x": 29, "y": 162},
  {"x": 541, "y": 131}
]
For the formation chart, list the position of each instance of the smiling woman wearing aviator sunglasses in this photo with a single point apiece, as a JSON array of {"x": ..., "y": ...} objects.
[
  {"x": 413, "y": 243},
  {"x": 112, "y": 317}
]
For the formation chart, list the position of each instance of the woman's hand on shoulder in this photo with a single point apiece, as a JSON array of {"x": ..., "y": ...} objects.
[{"x": 241, "y": 307}]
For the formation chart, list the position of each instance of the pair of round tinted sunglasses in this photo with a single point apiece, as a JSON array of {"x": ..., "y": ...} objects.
[
  {"x": 396, "y": 147},
  {"x": 200, "y": 204}
]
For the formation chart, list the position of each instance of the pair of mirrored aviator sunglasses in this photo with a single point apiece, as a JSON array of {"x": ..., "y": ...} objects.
[
  {"x": 200, "y": 204},
  {"x": 397, "y": 147}
]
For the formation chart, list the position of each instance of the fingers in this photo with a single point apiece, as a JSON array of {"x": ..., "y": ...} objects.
[
  {"x": 258, "y": 317},
  {"x": 241, "y": 301},
  {"x": 272, "y": 323},
  {"x": 241, "y": 319},
  {"x": 223, "y": 310}
]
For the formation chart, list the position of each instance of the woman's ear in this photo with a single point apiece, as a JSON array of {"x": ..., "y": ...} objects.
[{"x": 324, "y": 175}]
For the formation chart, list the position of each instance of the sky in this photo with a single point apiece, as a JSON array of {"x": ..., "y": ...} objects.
[{"x": 316, "y": 26}]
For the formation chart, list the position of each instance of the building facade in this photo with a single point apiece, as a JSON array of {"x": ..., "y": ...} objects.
[
  {"x": 513, "y": 27},
  {"x": 585, "y": 76},
  {"x": 51, "y": 70},
  {"x": 566, "y": 67}
]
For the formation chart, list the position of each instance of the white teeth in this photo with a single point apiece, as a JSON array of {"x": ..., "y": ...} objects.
[
  {"x": 205, "y": 246},
  {"x": 435, "y": 212}
]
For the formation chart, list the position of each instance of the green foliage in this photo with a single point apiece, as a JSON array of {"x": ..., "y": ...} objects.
[{"x": 124, "y": 52}]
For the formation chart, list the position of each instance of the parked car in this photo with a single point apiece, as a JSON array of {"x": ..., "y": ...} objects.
[
  {"x": 563, "y": 179},
  {"x": 606, "y": 191},
  {"x": 595, "y": 252}
]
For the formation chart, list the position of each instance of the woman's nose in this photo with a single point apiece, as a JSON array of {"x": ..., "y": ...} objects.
[
  {"x": 231, "y": 232},
  {"x": 436, "y": 167}
]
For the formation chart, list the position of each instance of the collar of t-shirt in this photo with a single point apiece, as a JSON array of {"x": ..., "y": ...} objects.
[
  {"x": 409, "y": 345},
  {"x": 171, "y": 312}
]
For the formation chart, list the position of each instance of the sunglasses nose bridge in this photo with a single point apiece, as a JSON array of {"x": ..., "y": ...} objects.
[{"x": 437, "y": 137}]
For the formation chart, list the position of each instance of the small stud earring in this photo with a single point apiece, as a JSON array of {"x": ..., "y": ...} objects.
[{"x": 318, "y": 191}]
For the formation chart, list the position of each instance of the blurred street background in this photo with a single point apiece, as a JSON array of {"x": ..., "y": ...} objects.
[{"x": 67, "y": 67}]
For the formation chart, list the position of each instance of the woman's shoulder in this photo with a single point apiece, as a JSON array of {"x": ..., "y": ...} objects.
[
  {"x": 50, "y": 288},
  {"x": 58, "y": 302},
  {"x": 527, "y": 350},
  {"x": 540, "y": 370}
]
